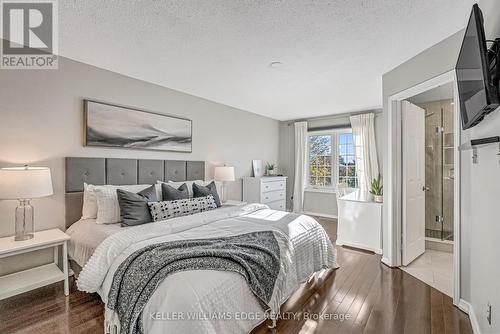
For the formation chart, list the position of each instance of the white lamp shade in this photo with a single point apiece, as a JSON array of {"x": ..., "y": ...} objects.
[
  {"x": 224, "y": 173},
  {"x": 25, "y": 182}
]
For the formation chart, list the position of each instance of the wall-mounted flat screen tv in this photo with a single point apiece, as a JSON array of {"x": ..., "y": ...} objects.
[{"x": 478, "y": 95}]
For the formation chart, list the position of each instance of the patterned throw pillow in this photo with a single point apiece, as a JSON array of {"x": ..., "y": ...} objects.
[{"x": 183, "y": 207}]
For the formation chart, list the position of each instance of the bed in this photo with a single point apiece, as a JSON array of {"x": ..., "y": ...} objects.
[{"x": 190, "y": 301}]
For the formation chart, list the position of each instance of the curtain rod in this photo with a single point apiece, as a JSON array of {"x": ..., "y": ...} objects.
[
  {"x": 376, "y": 112},
  {"x": 329, "y": 127}
]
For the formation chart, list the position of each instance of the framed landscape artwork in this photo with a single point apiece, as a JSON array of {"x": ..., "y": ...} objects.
[{"x": 116, "y": 126}]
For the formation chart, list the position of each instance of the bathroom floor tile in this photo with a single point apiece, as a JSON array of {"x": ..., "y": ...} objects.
[{"x": 434, "y": 268}]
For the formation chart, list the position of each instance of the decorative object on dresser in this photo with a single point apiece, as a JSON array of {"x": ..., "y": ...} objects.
[
  {"x": 271, "y": 169},
  {"x": 34, "y": 278},
  {"x": 117, "y": 126},
  {"x": 224, "y": 174},
  {"x": 257, "y": 168},
  {"x": 24, "y": 184},
  {"x": 266, "y": 190}
]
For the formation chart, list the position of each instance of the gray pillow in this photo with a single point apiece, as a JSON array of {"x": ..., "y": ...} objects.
[
  {"x": 203, "y": 191},
  {"x": 134, "y": 208},
  {"x": 169, "y": 193}
]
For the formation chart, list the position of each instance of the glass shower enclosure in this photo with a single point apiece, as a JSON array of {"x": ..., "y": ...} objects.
[{"x": 439, "y": 169}]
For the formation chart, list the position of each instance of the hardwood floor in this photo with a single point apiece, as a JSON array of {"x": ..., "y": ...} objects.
[{"x": 362, "y": 296}]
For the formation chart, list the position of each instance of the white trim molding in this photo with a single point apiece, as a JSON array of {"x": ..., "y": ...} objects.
[
  {"x": 467, "y": 308},
  {"x": 393, "y": 181}
]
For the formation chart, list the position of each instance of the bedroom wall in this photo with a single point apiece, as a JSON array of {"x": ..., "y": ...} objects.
[
  {"x": 42, "y": 122},
  {"x": 483, "y": 194},
  {"x": 480, "y": 193},
  {"x": 318, "y": 201}
]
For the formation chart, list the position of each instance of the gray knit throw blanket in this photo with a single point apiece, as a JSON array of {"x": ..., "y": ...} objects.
[{"x": 256, "y": 256}]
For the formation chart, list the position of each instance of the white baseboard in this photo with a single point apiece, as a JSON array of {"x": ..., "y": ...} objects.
[
  {"x": 319, "y": 214},
  {"x": 340, "y": 242},
  {"x": 387, "y": 262},
  {"x": 467, "y": 308}
]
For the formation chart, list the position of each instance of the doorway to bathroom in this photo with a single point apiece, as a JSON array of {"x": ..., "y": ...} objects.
[
  {"x": 428, "y": 186},
  {"x": 424, "y": 169}
]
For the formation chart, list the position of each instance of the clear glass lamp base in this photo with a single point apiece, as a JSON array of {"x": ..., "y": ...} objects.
[{"x": 24, "y": 220}]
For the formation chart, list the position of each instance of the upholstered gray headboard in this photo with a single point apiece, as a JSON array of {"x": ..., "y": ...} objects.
[{"x": 100, "y": 171}]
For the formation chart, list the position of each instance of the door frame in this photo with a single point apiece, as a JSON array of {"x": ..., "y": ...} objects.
[{"x": 393, "y": 181}]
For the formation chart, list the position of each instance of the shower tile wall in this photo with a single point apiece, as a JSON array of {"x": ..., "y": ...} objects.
[{"x": 439, "y": 177}]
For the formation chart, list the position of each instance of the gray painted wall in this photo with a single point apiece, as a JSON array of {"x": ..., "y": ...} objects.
[
  {"x": 42, "y": 120},
  {"x": 323, "y": 203},
  {"x": 480, "y": 193}
]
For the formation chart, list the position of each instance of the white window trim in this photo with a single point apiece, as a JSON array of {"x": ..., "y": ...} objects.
[{"x": 335, "y": 157}]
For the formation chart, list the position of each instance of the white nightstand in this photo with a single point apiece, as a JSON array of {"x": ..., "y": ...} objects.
[
  {"x": 233, "y": 203},
  {"x": 33, "y": 278}
]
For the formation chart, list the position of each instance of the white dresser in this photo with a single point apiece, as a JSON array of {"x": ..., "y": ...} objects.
[{"x": 269, "y": 190}]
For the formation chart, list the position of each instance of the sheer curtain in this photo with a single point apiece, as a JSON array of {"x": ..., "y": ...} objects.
[
  {"x": 363, "y": 133},
  {"x": 300, "y": 166}
]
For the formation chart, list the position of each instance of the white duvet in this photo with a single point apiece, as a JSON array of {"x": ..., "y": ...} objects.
[{"x": 206, "y": 301}]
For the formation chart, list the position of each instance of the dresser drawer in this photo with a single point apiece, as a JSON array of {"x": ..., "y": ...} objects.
[
  {"x": 272, "y": 196},
  {"x": 273, "y": 186},
  {"x": 277, "y": 205}
]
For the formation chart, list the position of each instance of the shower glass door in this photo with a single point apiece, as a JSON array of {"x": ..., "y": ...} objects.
[{"x": 439, "y": 170}]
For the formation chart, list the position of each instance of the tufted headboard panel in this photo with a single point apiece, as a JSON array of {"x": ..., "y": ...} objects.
[{"x": 100, "y": 171}]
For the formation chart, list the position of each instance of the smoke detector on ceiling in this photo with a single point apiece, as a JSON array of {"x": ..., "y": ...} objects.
[{"x": 275, "y": 64}]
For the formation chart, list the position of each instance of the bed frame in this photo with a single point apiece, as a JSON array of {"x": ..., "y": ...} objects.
[{"x": 101, "y": 171}]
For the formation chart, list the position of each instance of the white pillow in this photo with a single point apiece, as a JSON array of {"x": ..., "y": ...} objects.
[
  {"x": 89, "y": 208},
  {"x": 108, "y": 208}
]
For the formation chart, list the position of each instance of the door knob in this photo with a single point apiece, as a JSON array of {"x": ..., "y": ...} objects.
[{"x": 424, "y": 188}]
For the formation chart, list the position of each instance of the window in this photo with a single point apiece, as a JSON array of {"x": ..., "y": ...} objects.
[{"x": 332, "y": 159}]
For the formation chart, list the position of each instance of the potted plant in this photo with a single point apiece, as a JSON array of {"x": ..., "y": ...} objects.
[
  {"x": 377, "y": 190},
  {"x": 271, "y": 169}
]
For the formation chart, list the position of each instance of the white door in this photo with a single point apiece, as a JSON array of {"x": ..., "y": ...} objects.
[{"x": 413, "y": 136}]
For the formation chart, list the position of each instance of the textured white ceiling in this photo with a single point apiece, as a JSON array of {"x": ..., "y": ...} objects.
[{"x": 333, "y": 52}]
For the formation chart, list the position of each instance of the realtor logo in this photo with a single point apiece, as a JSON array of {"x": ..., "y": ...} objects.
[{"x": 29, "y": 34}]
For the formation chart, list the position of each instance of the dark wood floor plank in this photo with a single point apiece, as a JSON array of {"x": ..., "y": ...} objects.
[
  {"x": 349, "y": 310},
  {"x": 377, "y": 298},
  {"x": 437, "y": 313},
  {"x": 382, "y": 314}
]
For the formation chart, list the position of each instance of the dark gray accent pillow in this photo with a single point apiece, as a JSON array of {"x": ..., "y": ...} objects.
[
  {"x": 169, "y": 193},
  {"x": 203, "y": 191},
  {"x": 134, "y": 208}
]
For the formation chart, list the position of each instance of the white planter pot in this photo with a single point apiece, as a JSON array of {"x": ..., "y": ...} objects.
[{"x": 378, "y": 198}]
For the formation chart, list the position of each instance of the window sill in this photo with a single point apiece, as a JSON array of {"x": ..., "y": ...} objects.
[{"x": 321, "y": 190}]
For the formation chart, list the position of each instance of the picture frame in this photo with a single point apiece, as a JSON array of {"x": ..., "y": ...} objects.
[
  {"x": 258, "y": 168},
  {"x": 112, "y": 125}
]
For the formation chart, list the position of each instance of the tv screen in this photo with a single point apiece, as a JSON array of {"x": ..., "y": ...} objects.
[{"x": 478, "y": 96}]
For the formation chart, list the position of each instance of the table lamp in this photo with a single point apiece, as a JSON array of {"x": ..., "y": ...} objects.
[
  {"x": 23, "y": 184},
  {"x": 224, "y": 174}
]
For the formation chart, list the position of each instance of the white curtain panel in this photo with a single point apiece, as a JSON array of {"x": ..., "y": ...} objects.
[
  {"x": 363, "y": 132},
  {"x": 300, "y": 166}
]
